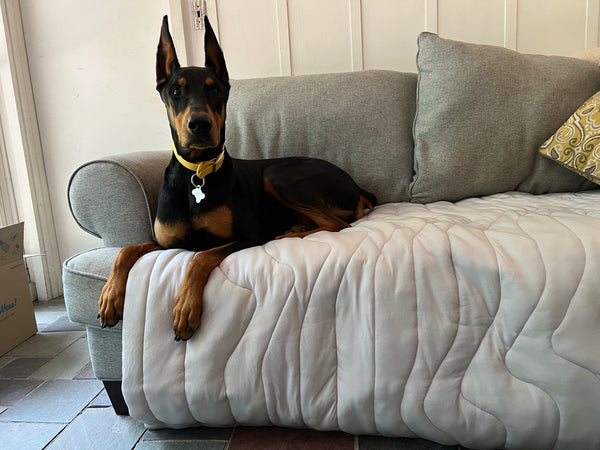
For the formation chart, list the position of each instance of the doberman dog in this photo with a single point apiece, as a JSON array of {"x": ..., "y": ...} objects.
[{"x": 215, "y": 204}]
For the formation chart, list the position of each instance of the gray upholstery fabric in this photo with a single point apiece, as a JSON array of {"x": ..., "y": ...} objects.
[
  {"x": 360, "y": 121},
  {"x": 483, "y": 112},
  {"x": 84, "y": 276},
  {"x": 105, "y": 350},
  {"x": 116, "y": 198}
]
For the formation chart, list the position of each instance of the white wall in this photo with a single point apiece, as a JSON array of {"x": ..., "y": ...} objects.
[
  {"x": 293, "y": 37},
  {"x": 92, "y": 64}
]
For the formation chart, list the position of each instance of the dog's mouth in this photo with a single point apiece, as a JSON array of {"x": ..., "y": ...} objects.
[
  {"x": 198, "y": 146},
  {"x": 195, "y": 151}
]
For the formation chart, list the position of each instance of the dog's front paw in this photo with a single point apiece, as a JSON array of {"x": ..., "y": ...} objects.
[
  {"x": 110, "y": 305},
  {"x": 186, "y": 315}
]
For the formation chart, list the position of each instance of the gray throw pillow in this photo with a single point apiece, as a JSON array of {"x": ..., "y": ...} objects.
[{"x": 482, "y": 114}]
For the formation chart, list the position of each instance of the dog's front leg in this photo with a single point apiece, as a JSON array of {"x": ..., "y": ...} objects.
[
  {"x": 112, "y": 298},
  {"x": 188, "y": 302}
]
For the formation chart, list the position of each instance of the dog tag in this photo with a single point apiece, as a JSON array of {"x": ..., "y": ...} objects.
[{"x": 197, "y": 191}]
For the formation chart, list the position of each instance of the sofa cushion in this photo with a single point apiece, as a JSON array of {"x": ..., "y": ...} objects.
[
  {"x": 361, "y": 121},
  {"x": 482, "y": 114},
  {"x": 84, "y": 276},
  {"x": 576, "y": 145}
]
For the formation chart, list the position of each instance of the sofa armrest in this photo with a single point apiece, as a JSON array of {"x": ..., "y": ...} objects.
[{"x": 115, "y": 198}]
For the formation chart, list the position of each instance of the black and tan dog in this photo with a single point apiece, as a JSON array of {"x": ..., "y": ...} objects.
[{"x": 213, "y": 203}]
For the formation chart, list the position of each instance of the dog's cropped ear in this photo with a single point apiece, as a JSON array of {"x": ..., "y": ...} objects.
[
  {"x": 214, "y": 55},
  {"x": 166, "y": 58}
]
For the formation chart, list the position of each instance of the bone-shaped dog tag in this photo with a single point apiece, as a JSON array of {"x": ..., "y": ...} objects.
[{"x": 197, "y": 192}]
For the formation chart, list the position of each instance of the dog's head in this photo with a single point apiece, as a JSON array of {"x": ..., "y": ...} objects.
[{"x": 195, "y": 97}]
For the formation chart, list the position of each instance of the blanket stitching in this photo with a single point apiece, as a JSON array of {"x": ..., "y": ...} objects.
[
  {"x": 184, "y": 357},
  {"x": 527, "y": 321},
  {"x": 337, "y": 352},
  {"x": 374, "y": 317},
  {"x": 571, "y": 302},
  {"x": 493, "y": 318},
  {"x": 552, "y": 335},
  {"x": 366, "y": 234},
  {"x": 144, "y": 399},
  {"x": 418, "y": 335},
  {"x": 518, "y": 333},
  {"x": 464, "y": 372},
  {"x": 299, "y": 405},
  {"x": 374, "y": 313},
  {"x": 235, "y": 348},
  {"x": 427, "y": 391},
  {"x": 151, "y": 272},
  {"x": 416, "y": 304},
  {"x": 262, "y": 361}
]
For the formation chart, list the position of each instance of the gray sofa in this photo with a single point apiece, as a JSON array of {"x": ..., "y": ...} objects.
[{"x": 469, "y": 124}]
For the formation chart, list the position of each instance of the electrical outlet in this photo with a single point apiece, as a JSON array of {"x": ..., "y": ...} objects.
[{"x": 198, "y": 14}]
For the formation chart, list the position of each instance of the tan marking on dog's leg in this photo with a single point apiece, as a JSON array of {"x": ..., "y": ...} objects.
[
  {"x": 188, "y": 302},
  {"x": 325, "y": 220},
  {"x": 112, "y": 298},
  {"x": 325, "y": 217}
]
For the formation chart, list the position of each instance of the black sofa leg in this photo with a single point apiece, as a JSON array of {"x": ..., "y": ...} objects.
[{"x": 113, "y": 389}]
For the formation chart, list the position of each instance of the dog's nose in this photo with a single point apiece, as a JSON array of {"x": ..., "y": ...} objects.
[{"x": 199, "y": 124}]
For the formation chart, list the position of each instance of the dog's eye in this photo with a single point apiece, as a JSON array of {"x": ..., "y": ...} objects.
[
  {"x": 214, "y": 92},
  {"x": 176, "y": 91}
]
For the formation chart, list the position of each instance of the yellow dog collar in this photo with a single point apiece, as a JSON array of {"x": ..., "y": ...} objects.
[{"x": 203, "y": 168}]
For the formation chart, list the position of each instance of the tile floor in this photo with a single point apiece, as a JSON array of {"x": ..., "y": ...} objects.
[{"x": 49, "y": 399}]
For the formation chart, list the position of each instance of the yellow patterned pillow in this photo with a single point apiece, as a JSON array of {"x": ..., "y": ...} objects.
[{"x": 576, "y": 144}]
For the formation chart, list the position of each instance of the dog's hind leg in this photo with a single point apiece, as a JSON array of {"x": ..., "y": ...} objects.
[
  {"x": 313, "y": 215},
  {"x": 323, "y": 218}
]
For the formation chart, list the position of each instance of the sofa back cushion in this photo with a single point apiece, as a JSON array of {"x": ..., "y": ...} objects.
[
  {"x": 361, "y": 121},
  {"x": 482, "y": 114}
]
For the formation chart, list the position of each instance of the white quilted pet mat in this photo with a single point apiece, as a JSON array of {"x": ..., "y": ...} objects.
[{"x": 475, "y": 323}]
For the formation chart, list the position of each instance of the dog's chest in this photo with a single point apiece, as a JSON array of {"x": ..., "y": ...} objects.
[{"x": 217, "y": 223}]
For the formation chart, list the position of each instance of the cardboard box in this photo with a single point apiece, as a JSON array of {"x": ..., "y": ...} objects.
[{"x": 17, "y": 319}]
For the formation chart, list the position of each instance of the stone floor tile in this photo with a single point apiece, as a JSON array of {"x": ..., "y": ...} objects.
[
  {"x": 67, "y": 364},
  {"x": 46, "y": 345},
  {"x": 101, "y": 401},
  {"x": 22, "y": 367},
  {"x": 5, "y": 360},
  {"x": 13, "y": 391},
  {"x": 28, "y": 435},
  {"x": 99, "y": 428},
  {"x": 189, "y": 434},
  {"x": 87, "y": 373},
  {"x": 261, "y": 438},
  {"x": 62, "y": 324},
  {"x": 55, "y": 401},
  {"x": 48, "y": 312},
  {"x": 181, "y": 445},
  {"x": 387, "y": 443}
]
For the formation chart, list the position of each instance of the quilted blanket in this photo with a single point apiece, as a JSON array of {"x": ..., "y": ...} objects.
[{"x": 475, "y": 322}]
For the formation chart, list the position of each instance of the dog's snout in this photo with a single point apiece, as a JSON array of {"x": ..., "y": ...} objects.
[{"x": 199, "y": 124}]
